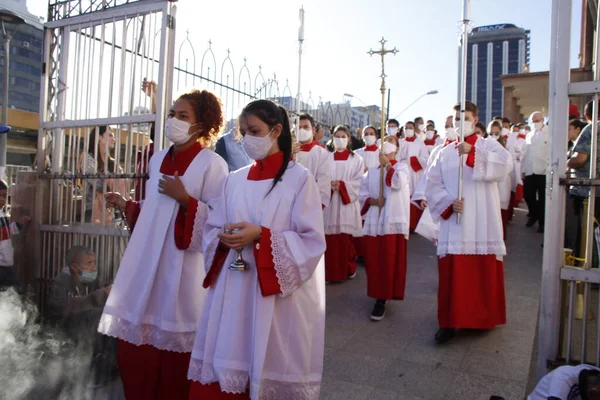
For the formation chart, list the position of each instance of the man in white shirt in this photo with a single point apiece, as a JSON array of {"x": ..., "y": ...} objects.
[
  {"x": 569, "y": 383},
  {"x": 534, "y": 170}
]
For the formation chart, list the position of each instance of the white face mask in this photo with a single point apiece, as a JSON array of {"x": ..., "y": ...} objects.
[
  {"x": 304, "y": 135},
  {"x": 429, "y": 135},
  {"x": 451, "y": 133},
  {"x": 421, "y": 127},
  {"x": 88, "y": 276},
  {"x": 389, "y": 148},
  {"x": 494, "y": 136},
  {"x": 522, "y": 131},
  {"x": 177, "y": 130},
  {"x": 370, "y": 140},
  {"x": 409, "y": 133},
  {"x": 538, "y": 125},
  {"x": 468, "y": 127},
  {"x": 392, "y": 130},
  {"x": 256, "y": 147},
  {"x": 340, "y": 143},
  {"x": 505, "y": 131}
]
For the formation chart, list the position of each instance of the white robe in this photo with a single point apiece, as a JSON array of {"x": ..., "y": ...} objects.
[
  {"x": 345, "y": 218},
  {"x": 157, "y": 295},
  {"x": 516, "y": 147},
  {"x": 394, "y": 219},
  {"x": 480, "y": 229},
  {"x": 419, "y": 150},
  {"x": 275, "y": 343},
  {"x": 318, "y": 162},
  {"x": 504, "y": 192},
  {"x": 370, "y": 158}
]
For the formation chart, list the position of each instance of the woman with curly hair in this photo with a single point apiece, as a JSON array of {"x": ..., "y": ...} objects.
[{"x": 157, "y": 297}]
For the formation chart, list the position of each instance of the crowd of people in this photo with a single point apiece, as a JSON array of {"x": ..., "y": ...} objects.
[{"x": 221, "y": 290}]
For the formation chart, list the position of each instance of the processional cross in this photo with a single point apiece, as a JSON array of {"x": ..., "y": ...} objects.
[{"x": 382, "y": 53}]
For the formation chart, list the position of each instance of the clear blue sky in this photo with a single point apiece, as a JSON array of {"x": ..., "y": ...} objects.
[{"x": 339, "y": 33}]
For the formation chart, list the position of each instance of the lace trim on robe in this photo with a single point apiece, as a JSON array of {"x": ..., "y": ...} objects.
[
  {"x": 209, "y": 253},
  {"x": 180, "y": 342},
  {"x": 287, "y": 273},
  {"x": 199, "y": 222},
  {"x": 437, "y": 208},
  {"x": 399, "y": 228},
  {"x": 481, "y": 158},
  {"x": 236, "y": 381},
  {"x": 471, "y": 248}
]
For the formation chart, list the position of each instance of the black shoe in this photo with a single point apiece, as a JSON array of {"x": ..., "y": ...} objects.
[
  {"x": 352, "y": 276},
  {"x": 443, "y": 335},
  {"x": 530, "y": 222},
  {"x": 378, "y": 311}
]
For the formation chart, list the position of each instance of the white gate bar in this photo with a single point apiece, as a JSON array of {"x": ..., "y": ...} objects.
[
  {"x": 120, "y": 12},
  {"x": 584, "y": 88},
  {"x": 555, "y": 195},
  {"x": 580, "y": 274},
  {"x": 124, "y": 120}
]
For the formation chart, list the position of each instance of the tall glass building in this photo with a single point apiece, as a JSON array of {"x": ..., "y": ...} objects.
[{"x": 493, "y": 50}]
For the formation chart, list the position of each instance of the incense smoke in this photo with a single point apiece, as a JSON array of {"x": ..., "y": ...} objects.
[{"x": 36, "y": 361}]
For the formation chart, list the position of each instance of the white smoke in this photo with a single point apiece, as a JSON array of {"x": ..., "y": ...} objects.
[{"x": 36, "y": 362}]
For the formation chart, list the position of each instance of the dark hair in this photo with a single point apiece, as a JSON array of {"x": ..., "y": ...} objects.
[
  {"x": 345, "y": 129},
  {"x": 410, "y": 122},
  {"x": 208, "y": 112},
  {"x": 369, "y": 127},
  {"x": 589, "y": 109},
  {"x": 469, "y": 106},
  {"x": 587, "y": 380},
  {"x": 481, "y": 126},
  {"x": 430, "y": 125},
  {"x": 497, "y": 117},
  {"x": 92, "y": 146},
  {"x": 272, "y": 114},
  {"x": 3, "y": 185},
  {"x": 75, "y": 254},
  {"x": 393, "y": 121},
  {"x": 497, "y": 124},
  {"x": 418, "y": 118},
  {"x": 505, "y": 120},
  {"x": 430, "y": 121},
  {"x": 577, "y": 124},
  {"x": 310, "y": 118}
]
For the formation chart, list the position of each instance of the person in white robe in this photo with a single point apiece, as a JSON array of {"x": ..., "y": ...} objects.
[
  {"x": 386, "y": 228},
  {"x": 312, "y": 155},
  {"x": 261, "y": 333},
  {"x": 156, "y": 299},
  {"x": 432, "y": 139},
  {"x": 416, "y": 159},
  {"x": 369, "y": 153},
  {"x": 471, "y": 270},
  {"x": 504, "y": 187},
  {"x": 342, "y": 218}
]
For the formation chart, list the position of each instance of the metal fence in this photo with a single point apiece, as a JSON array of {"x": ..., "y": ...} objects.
[{"x": 96, "y": 55}]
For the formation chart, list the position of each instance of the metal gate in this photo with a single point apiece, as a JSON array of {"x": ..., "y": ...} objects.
[
  {"x": 96, "y": 54},
  {"x": 569, "y": 332}
]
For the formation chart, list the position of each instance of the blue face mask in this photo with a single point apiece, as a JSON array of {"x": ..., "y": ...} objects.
[{"x": 88, "y": 276}]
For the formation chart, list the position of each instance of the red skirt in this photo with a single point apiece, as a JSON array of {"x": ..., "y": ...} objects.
[
  {"x": 519, "y": 195},
  {"x": 415, "y": 216},
  {"x": 505, "y": 218},
  {"x": 471, "y": 292},
  {"x": 340, "y": 257},
  {"x": 213, "y": 391},
  {"x": 385, "y": 264},
  {"x": 151, "y": 373}
]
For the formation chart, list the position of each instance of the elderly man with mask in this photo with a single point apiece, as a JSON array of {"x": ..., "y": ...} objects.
[{"x": 534, "y": 170}]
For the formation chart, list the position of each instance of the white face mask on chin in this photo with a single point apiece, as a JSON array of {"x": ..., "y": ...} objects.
[
  {"x": 340, "y": 143},
  {"x": 409, "y": 133},
  {"x": 257, "y": 147},
  {"x": 451, "y": 133},
  {"x": 429, "y": 135},
  {"x": 389, "y": 148},
  {"x": 468, "y": 128},
  {"x": 392, "y": 130}
]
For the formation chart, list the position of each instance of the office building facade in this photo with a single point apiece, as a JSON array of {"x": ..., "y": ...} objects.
[{"x": 493, "y": 51}]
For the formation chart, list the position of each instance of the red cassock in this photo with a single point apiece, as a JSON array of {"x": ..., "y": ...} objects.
[
  {"x": 385, "y": 252},
  {"x": 415, "y": 216},
  {"x": 148, "y": 372},
  {"x": 471, "y": 286}
]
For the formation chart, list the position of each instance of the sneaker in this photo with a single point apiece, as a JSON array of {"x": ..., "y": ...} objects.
[
  {"x": 352, "y": 276},
  {"x": 378, "y": 311}
]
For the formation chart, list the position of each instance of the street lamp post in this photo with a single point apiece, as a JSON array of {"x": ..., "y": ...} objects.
[
  {"x": 6, "y": 17},
  {"x": 431, "y": 92}
]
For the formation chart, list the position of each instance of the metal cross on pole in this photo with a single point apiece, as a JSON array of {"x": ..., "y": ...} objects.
[{"x": 382, "y": 53}]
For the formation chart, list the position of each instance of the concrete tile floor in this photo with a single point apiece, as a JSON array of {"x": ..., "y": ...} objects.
[{"x": 397, "y": 358}]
